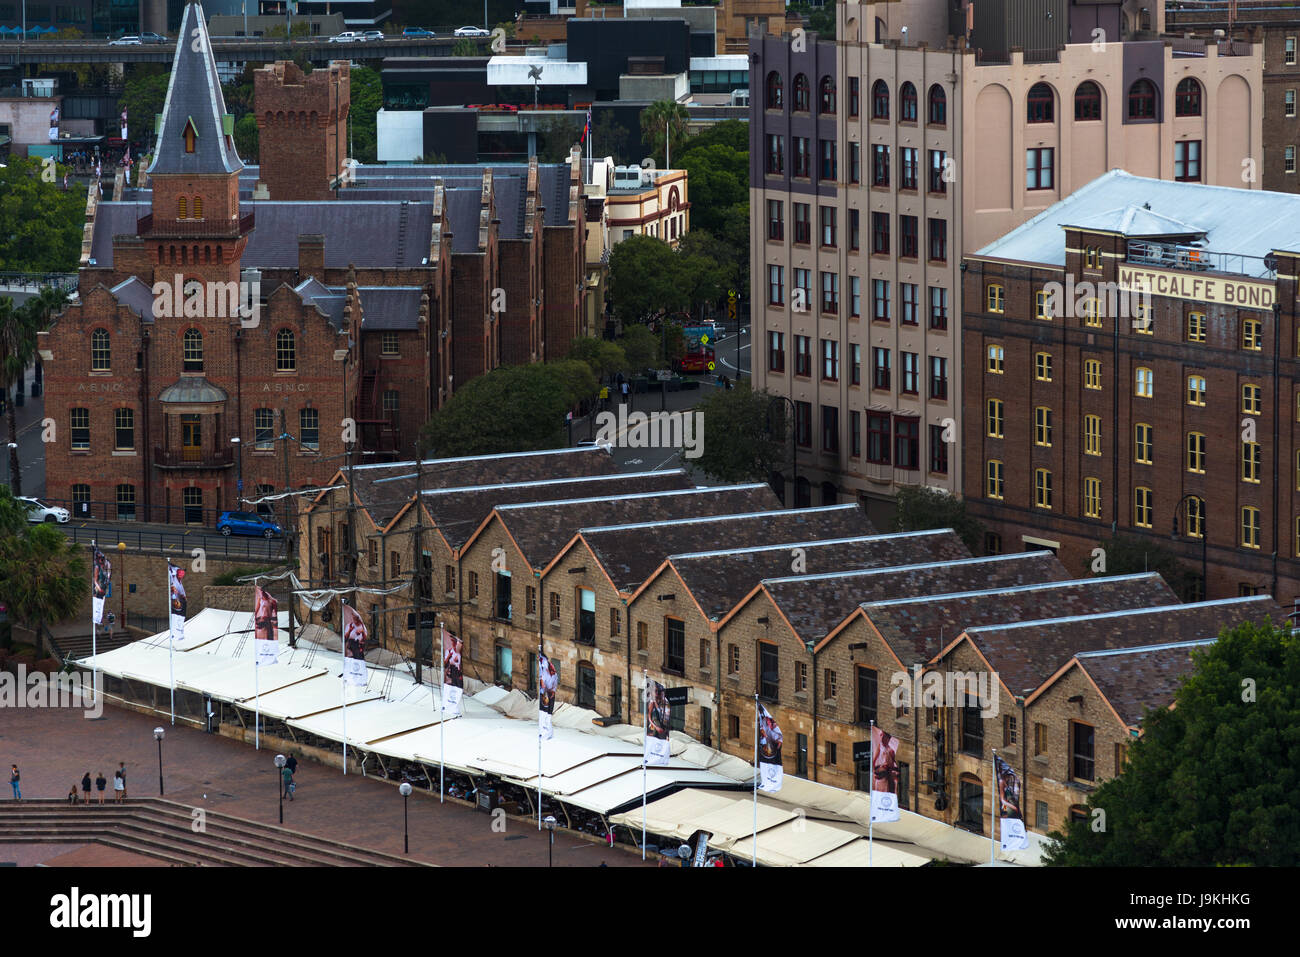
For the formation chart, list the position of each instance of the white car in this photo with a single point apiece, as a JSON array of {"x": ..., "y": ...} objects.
[
  {"x": 348, "y": 36},
  {"x": 127, "y": 41},
  {"x": 472, "y": 32},
  {"x": 372, "y": 35},
  {"x": 38, "y": 511}
]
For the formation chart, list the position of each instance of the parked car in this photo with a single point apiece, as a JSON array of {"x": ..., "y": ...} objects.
[
  {"x": 347, "y": 36},
  {"x": 472, "y": 32},
  {"x": 38, "y": 511},
  {"x": 126, "y": 41},
  {"x": 418, "y": 33},
  {"x": 247, "y": 523},
  {"x": 148, "y": 37}
]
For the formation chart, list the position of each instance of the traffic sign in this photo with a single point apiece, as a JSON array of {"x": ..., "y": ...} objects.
[
  {"x": 712, "y": 367},
  {"x": 731, "y": 308}
]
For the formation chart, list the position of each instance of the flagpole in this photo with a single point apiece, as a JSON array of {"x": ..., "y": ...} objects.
[
  {"x": 993, "y": 807},
  {"x": 94, "y": 652},
  {"x": 645, "y": 747},
  {"x": 541, "y": 690},
  {"x": 757, "y": 775},
  {"x": 442, "y": 714},
  {"x": 171, "y": 642},
  {"x": 343, "y": 624},
  {"x": 871, "y": 785},
  {"x": 345, "y": 721},
  {"x": 257, "y": 696}
]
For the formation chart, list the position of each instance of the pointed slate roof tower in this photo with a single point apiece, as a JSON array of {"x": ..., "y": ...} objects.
[{"x": 195, "y": 136}]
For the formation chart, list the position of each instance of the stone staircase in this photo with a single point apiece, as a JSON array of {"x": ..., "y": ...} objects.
[{"x": 164, "y": 830}]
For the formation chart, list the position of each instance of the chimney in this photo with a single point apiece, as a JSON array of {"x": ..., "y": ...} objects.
[{"x": 311, "y": 256}]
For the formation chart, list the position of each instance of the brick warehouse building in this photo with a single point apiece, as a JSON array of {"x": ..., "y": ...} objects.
[
  {"x": 1085, "y": 423},
  {"x": 378, "y": 296}
]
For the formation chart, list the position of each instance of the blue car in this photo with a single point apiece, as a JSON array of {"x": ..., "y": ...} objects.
[
  {"x": 417, "y": 32},
  {"x": 247, "y": 523}
]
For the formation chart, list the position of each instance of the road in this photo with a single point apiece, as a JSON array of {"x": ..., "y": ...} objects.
[{"x": 181, "y": 539}]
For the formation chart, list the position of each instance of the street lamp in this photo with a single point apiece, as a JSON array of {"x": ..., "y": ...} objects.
[
  {"x": 404, "y": 789},
  {"x": 280, "y": 762},
  {"x": 550, "y": 851},
  {"x": 158, "y": 734},
  {"x": 239, "y": 471},
  {"x": 1205, "y": 538},
  {"x": 684, "y": 852}
]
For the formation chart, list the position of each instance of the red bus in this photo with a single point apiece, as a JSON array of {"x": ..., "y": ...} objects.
[{"x": 699, "y": 355}]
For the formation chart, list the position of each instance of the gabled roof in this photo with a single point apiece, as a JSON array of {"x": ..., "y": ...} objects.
[
  {"x": 194, "y": 96},
  {"x": 135, "y": 294},
  {"x": 1136, "y": 680},
  {"x": 1028, "y": 653},
  {"x": 917, "y": 628},
  {"x": 1136, "y": 221}
]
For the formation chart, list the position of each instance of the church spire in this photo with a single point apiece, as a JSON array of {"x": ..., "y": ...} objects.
[{"x": 196, "y": 135}]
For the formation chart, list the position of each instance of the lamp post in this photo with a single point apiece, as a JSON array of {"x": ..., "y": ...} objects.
[
  {"x": 239, "y": 469},
  {"x": 280, "y": 762},
  {"x": 794, "y": 465},
  {"x": 684, "y": 852},
  {"x": 1205, "y": 538},
  {"x": 158, "y": 735},
  {"x": 550, "y": 851},
  {"x": 404, "y": 789}
]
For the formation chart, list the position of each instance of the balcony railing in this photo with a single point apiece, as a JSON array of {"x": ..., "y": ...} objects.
[
  {"x": 1178, "y": 256},
  {"x": 186, "y": 458},
  {"x": 166, "y": 228}
]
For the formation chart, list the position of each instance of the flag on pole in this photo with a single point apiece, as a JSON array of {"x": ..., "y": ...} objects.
[
  {"x": 355, "y": 638},
  {"x": 453, "y": 681},
  {"x": 124, "y": 130},
  {"x": 586, "y": 130},
  {"x": 548, "y": 679},
  {"x": 884, "y": 776},
  {"x": 99, "y": 578},
  {"x": 769, "y": 752},
  {"x": 657, "y": 715},
  {"x": 1012, "y": 824},
  {"x": 176, "y": 589},
  {"x": 266, "y": 639}
]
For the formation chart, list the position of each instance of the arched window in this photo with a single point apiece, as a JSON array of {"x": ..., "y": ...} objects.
[
  {"x": 1087, "y": 101},
  {"x": 880, "y": 100},
  {"x": 1039, "y": 104},
  {"x": 193, "y": 351},
  {"x": 286, "y": 351},
  {"x": 182, "y": 208},
  {"x": 938, "y": 107},
  {"x": 99, "y": 351},
  {"x": 802, "y": 95},
  {"x": 198, "y": 207},
  {"x": 774, "y": 87},
  {"x": 1142, "y": 100},
  {"x": 1187, "y": 98},
  {"x": 907, "y": 103},
  {"x": 826, "y": 96}
]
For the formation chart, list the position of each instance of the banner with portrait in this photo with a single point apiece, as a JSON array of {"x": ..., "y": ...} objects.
[
  {"x": 771, "y": 770},
  {"x": 100, "y": 576},
  {"x": 1011, "y": 820},
  {"x": 123, "y": 125},
  {"x": 266, "y": 637},
  {"x": 54, "y": 124},
  {"x": 658, "y": 714},
  {"x": 548, "y": 679},
  {"x": 884, "y": 776},
  {"x": 453, "y": 678},
  {"x": 355, "y": 638},
  {"x": 176, "y": 602}
]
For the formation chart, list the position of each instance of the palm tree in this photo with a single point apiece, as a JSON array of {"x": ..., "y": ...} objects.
[
  {"x": 18, "y": 329},
  {"x": 661, "y": 116},
  {"x": 43, "y": 576}
]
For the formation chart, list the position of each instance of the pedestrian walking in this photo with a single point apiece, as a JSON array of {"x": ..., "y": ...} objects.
[
  {"x": 100, "y": 782},
  {"x": 119, "y": 787},
  {"x": 85, "y": 787},
  {"x": 623, "y": 387},
  {"x": 14, "y": 777},
  {"x": 292, "y": 764},
  {"x": 286, "y": 777},
  {"x": 121, "y": 773}
]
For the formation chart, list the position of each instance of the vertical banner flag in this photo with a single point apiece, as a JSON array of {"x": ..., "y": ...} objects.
[
  {"x": 1011, "y": 826},
  {"x": 354, "y": 646},
  {"x": 769, "y": 752},
  {"x": 124, "y": 131},
  {"x": 176, "y": 588},
  {"x": 657, "y": 716},
  {"x": 266, "y": 638},
  {"x": 548, "y": 679},
  {"x": 453, "y": 681},
  {"x": 586, "y": 130},
  {"x": 884, "y": 776},
  {"x": 99, "y": 578},
  {"x": 54, "y": 123}
]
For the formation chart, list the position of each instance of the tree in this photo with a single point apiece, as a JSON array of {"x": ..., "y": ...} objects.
[
  {"x": 736, "y": 444},
  {"x": 1213, "y": 780},
  {"x": 43, "y": 576},
  {"x": 17, "y": 350},
  {"x": 510, "y": 409},
  {"x": 609, "y": 138},
  {"x": 602, "y": 356},
  {"x": 921, "y": 507},
  {"x": 708, "y": 265},
  {"x": 367, "y": 98},
  {"x": 660, "y": 117},
  {"x": 143, "y": 97},
  {"x": 40, "y": 224},
  {"x": 645, "y": 278},
  {"x": 246, "y": 139},
  {"x": 820, "y": 20},
  {"x": 718, "y": 177},
  {"x": 464, "y": 47},
  {"x": 1130, "y": 555},
  {"x": 556, "y": 135},
  {"x": 640, "y": 347}
]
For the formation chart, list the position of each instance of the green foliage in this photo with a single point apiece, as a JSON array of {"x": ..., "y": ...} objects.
[
  {"x": 18, "y": 329},
  {"x": 246, "y": 138},
  {"x": 142, "y": 98},
  {"x": 738, "y": 445},
  {"x": 1131, "y": 554},
  {"x": 1215, "y": 779},
  {"x": 602, "y": 356},
  {"x": 556, "y": 135},
  {"x": 718, "y": 180},
  {"x": 40, "y": 223},
  {"x": 465, "y": 46},
  {"x": 432, "y": 159},
  {"x": 510, "y": 409},
  {"x": 367, "y": 98},
  {"x": 640, "y": 348},
  {"x": 660, "y": 118},
  {"x": 820, "y": 20},
  {"x": 646, "y": 277},
  {"x": 921, "y": 507},
  {"x": 13, "y": 517},
  {"x": 609, "y": 138},
  {"x": 43, "y": 577},
  {"x": 708, "y": 266}
]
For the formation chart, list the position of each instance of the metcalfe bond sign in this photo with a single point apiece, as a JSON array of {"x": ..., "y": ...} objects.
[{"x": 1241, "y": 293}]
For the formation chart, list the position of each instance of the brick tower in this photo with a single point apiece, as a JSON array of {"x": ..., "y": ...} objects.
[{"x": 302, "y": 129}]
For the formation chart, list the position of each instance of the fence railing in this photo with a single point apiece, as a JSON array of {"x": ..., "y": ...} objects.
[
  {"x": 60, "y": 280},
  {"x": 169, "y": 543}
]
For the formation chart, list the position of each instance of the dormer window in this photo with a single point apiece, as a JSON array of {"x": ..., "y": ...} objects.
[{"x": 191, "y": 135}]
